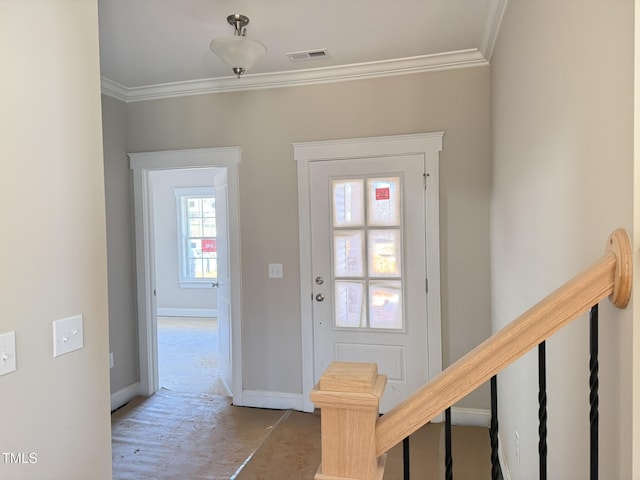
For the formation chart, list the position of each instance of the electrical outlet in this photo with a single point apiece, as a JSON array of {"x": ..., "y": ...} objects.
[{"x": 517, "y": 447}]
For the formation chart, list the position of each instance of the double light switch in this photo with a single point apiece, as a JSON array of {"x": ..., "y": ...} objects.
[
  {"x": 67, "y": 335},
  {"x": 7, "y": 353}
]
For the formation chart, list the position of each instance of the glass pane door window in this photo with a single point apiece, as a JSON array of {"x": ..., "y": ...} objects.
[{"x": 366, "y": 232}]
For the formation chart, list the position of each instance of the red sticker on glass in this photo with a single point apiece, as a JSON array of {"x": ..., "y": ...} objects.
[
  {"x": 382, "y": 193},
  {"x": 209, "y": 245}
]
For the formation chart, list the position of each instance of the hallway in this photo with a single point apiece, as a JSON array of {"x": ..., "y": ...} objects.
[{"x": 188, "y": 431}]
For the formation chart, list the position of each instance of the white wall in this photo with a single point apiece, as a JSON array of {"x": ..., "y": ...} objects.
[
  {"x": 562, "y": 107},
  {"x": 53, "y": 245},
  {"x": 171, "y": 296}
]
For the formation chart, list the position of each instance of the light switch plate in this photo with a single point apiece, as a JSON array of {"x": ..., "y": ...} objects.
[
  {"x": 275, "y": 270},
  {"x": 7, "y": 353},
  {"x": 67, "y": 335}
]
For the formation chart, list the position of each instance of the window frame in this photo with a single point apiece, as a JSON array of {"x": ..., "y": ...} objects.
[{"x": 182, "y": 230}]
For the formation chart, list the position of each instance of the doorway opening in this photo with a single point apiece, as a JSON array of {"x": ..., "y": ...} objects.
[
  {"x": 185, "y": 218},
  {"x": 225, "y": 337}
]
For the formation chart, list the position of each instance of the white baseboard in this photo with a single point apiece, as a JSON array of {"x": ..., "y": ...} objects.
[
  {"x": 475, "y": 417},
  {"x": 504, "y": 466},
  {"x": 470, "y": 417},
  {"x": 187, "y": 312},
  {"x": 275, "y": 400},
  {"x": 125, "y": 395}
]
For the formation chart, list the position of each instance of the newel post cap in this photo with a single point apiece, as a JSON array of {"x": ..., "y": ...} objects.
[{"x": 350, "y": 384}]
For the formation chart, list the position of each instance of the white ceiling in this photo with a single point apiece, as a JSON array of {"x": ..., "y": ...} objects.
[{"x": 155, "y": 48}]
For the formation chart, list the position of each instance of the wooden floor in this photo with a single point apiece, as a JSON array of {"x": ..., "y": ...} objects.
[{"x": 180, "y": 433}]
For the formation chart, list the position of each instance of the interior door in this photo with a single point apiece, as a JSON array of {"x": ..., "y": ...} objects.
[
  {"x": 224, "y": 280},
  {"x": 368, "y": 230}
]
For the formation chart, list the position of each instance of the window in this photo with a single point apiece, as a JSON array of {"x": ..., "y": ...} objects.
[
  {"x": 197, "y": 252},
  {"x": 366, "y": 224}
]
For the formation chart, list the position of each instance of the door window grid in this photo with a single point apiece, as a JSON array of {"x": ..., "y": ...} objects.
[
  {"x": 367, "y": 224},
  {"x": 197, "y": 228}
]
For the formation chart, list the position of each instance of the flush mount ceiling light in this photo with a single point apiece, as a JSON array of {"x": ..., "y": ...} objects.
[{"x": 238, "y": 51}]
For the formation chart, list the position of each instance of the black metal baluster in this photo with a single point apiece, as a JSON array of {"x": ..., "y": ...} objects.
[
  {"x": 493, "y": 431},
  {"x": 542, "y": 409},
  {"x": 593, "y": 385},
  {"x": 405, "y": 458},
  {"x": 448, "y": 457}
]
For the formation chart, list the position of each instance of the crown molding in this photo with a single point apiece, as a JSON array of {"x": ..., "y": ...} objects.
[
  {"x": 402, "y": 66},
  {"x": 114, "y": 89},
  {"x": 495, "y": 14}
]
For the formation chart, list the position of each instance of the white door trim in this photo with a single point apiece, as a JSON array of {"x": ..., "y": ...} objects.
[
  {"x": 427, "y": 144},
  {"x": 141, "y": 164}
]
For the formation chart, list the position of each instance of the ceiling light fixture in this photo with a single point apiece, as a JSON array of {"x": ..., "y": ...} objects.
[{"x": 238, "y": 51}]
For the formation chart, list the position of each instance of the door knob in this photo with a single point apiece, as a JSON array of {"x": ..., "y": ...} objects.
[{"x": 320, "y": 297}]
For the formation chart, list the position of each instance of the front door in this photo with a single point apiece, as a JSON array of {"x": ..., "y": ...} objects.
[{"x": 368, "y": 255}]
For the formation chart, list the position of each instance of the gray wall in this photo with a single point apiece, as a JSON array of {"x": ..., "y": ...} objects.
[
  {"x": 53, "y": 246},
  {"x": 123, "y": 328},
  {"x": 265, "y": 123},
  {"x": 169, "y": 293},
  {"x": 562, "y": 182}
]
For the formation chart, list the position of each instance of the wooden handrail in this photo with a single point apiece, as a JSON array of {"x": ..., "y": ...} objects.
[{"x": 609, "y": 276}]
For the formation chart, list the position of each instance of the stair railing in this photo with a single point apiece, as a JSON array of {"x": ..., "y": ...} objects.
[{"x": 355, "y": 438}]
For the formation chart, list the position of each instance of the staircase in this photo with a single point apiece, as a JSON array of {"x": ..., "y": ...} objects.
[{"x": 355, "y": 439}]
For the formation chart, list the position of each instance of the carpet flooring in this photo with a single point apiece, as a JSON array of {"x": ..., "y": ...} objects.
[{"x": 188, "y": 351}]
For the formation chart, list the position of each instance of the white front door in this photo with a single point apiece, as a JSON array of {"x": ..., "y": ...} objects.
[{"x": 369, "y": 268}]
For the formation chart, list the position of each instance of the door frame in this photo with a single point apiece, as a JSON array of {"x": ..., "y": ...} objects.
[
  {"x": 427, "y": 144},
  {"x": 142, "y": 163}
]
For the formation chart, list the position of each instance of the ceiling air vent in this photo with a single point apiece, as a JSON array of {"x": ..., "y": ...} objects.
[{"x": 307, "y": 55}]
